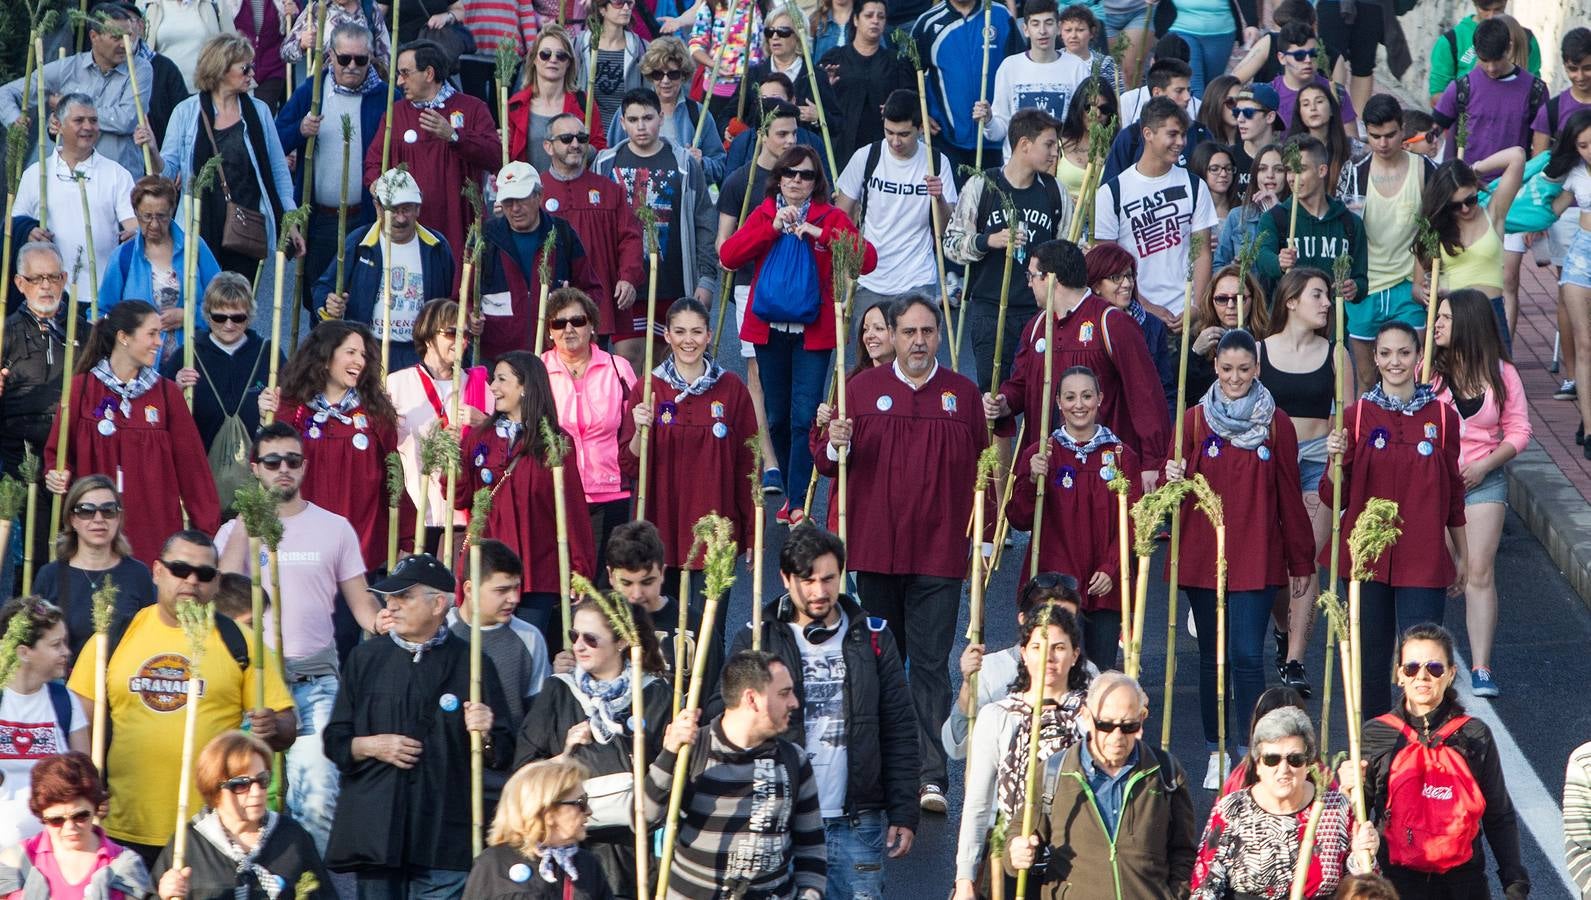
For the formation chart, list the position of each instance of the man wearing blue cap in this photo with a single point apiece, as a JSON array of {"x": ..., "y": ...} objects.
[{"x": 1255, "y": 109}]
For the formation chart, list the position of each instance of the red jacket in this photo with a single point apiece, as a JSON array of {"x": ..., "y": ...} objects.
[
  {"x": 753, "y": 241},
  {"x": 519, "y": 121}
]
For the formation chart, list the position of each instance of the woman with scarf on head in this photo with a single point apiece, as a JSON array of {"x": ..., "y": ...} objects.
[
  {"x": 1080, "y": 460},
  {"x": 1400, "y": 443},
  {"x": 507, "y": 455},
  {"x": 701, "y": 419},
  {"x": 131, "y": 425},
  {"x": 1247, "y": 450},
  {"x": 583, "y": 716}
]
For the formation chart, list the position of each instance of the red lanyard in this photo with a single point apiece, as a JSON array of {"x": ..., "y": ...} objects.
[{"x": 432, "y": 395}]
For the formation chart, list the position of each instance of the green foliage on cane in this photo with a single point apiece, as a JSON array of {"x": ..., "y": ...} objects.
[
  {"x": 395, "y": 487},
  {"x": 754, "y": 477},
  {"x": 480, "y": 511},
  {"x": 295, "y": 221},
  {"x": 999, "y": 835},
  {"x": 196, "y": 620},
  {"x": 549, "y": 246},
  {"x": 1208, "y": 501},
  {"x": 1119, "y": 485},
  {"x": 557, "y": 446},
  {"x": 648, "y": 217},
  {"x": 1461, "y": 132},
  {"x": 1378, "y": 527},
  {"x": 1292, "y": 158},
  {"x": 1152, "y": 509},
  {"x": 1195, "y": 247},
  {"x": 1336, "y": 614},
  {"x": 1100, "y": 137},
  {"x": 906, "y": 48},
  {"x": 1118, "y": 49},
  {"x": 103, "y": 606},
  {"x": 1322, "y": 60},
  {"x": 716, "y": 534},
  {"x": 1341, "y": 268},
  {"x": 616, "y": 609},
  {"x": 29, "y": 469},
  {"x": 1006, "y": 203},
  {"x": 1427, "y": 241},
  {"x": 988, "y": 466},
  {"x": 306, "y": 885},
  {"x": 472, "y": 196},
  {"x": 347, "y": 129},
  {"x": 17, "y": 141},
  {"x": 18, "y": 633},
  {"x": 1248, "y": 250},
  {"x": 505, "y": 61},
  {"x": 768, "y": 117},
  {"x": 846, "y": 253},
  {"x": 439, "y": 451},
  {"x": 205, "y": 178},
  {"x": 385, "y": 187},
  {"x": 256, "y": 506},
  {"x": 13, "y": 497},
  {"x": 103, "y": 24}
]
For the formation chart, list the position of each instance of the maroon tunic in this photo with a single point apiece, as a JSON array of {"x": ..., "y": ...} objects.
[
  {"x": 1383, "y": 459},
  {"x": 524, "y": 512},
  {"x": 1109, "y": 342},
  {"x": 1080, "y": 525},
  {"x": 700, "y": 462},
  {"x": 611, "y": 234},
  {"x": 1268, "y": 533},
  {"x": 913, "y": 464},
  {"x": 349, "y": 480},
  {"x": 155, "y": 456}
]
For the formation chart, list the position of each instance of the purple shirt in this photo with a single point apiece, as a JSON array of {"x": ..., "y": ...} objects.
[
  {"x": 1499, "y": 113},
  {"x": 1567, "y": 106},
  {"x": 1288, "y": 97}
]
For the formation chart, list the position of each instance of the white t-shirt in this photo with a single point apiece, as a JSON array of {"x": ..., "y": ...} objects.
[
  {"x": 408, "y": 292},
  {"x": 823, "y": 679},
  {"x": 1021, "y": 83},
  {"x": 28, "y": 733},
  {"x": 110, "y": 203},
  {"x": 1578, "y": 183},
  {"x": 1159, "y": 217},
  {"x": 898, "y": 223},
  {"x": 1131, "y": 103}
]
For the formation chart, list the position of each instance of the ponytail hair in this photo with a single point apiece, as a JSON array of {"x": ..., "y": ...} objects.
[{"x": 123, "y": 318}]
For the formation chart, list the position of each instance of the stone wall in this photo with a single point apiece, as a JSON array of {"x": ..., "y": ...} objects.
[{"x": 1549, "y": 19}]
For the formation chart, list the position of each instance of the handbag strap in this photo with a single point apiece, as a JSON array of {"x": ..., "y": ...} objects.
[{"x": 226, "y": 190}]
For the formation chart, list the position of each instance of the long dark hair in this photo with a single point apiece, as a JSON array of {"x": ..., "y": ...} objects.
[
  {"x": 1246, "y": 195},
  {"x": 1210, "y": 114},
  {"x": 1437, "y": 207},
  {"x": 1565, "y": 154},
  {"x": 1060, "y": 617},
  {"x": 1074, "y": 127},
  {"x": 535, "y": 406},
  {"x": 309, "y": 369},
  {"x": 123, "y": 318},
  {"x": 863, "y": 360},
  {"x": 1200, "y": 160},
  {"x": 1474, "y": 354},
  {"x": 1336, "y": 135}
]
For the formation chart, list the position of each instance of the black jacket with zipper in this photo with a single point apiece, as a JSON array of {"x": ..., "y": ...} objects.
[{"x": 880, "y": 721}]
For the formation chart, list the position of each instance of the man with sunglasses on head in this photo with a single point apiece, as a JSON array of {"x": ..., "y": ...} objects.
[
  {"x": 319, "y": 559},
  {"x": 147, "y": 691},
  {"x": 353, "y": 89},
  {"x": 1116, "y": 817}
]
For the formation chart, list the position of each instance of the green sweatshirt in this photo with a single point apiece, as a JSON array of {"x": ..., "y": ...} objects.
[
  {"x": 1449, "y": 61},
  {"x": 1319, "y": 241}
]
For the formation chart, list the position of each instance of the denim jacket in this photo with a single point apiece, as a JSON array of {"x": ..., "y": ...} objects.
[{"x": 177, "y": 154}]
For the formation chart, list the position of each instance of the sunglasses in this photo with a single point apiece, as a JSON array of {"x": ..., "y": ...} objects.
[
  {"x": 86, "y": 511},
  {"x": 1299, "y": 55},
  {"x": 1467, "y": 203},
  {"x": 1293, "y": 760},
  {"x": 573, "y": 137},
  {"x": 1105, "y": 727},
  {"x": 584, "y": 637},
  {"x": 1224, "y": 299},
  {"x": 229, "y": 318},
  {"x": 668, "y": 75},
  {"x": 240, "y": 784},
  {"x": 582, "y": 803},
  {"x": 802, "y": 174},
  {"x": 81, "y": 817},
  {"x": 621, "y": 4},
  {"x": 1433, "y": 136},
  {"x": 1436, "y": 669},
  {"x": 182, "y": 571},
  {"x": 560, "y": 324},
  {"x": 274, "y": 461},
  {"x": 352, "y": 59},
  {"x": 1248, "y": 112},
  {"x": 783, "y": 31},
  {"x": 545, "y": 55},
  {"x": 1050, "y": 581}
]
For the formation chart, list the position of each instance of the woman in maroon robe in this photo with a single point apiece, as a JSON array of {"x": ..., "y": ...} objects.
[
  {"x": 133, "y": 426},
  {"x": 332, "y": 393},
  {"x": 507, "y": 454}
]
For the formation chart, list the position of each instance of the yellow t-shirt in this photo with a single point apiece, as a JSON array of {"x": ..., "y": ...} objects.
[{"x": 148, "y": 695}]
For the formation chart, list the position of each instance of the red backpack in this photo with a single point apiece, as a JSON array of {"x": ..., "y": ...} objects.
[{"x": 1434, "y": 805}]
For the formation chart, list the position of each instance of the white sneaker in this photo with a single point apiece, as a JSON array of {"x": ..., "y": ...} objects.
[
  {"x": 1193, "y": 629},
  {"x": 1215, "y": 773}
]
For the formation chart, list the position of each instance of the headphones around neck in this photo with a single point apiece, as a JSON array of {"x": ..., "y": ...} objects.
[{"x": 814, "y": 632}]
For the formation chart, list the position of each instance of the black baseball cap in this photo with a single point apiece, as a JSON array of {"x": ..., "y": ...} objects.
[{"x": 422, "y": 568}]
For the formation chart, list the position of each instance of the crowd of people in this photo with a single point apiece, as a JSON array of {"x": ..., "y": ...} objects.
[{"x": 1189, "y": 237}]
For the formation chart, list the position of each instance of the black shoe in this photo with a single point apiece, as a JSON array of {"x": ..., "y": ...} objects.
[
  {"x": 1579, "y": 436},
  {"x": 1281, "y": 652},
  {"x": 1293, "y": 676}
]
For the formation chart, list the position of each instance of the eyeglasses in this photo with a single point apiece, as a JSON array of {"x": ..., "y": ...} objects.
[
  {"x": 81, "y": 817},
  {"x": 448, "y": 333},
  {"x": 84, "y": 512},
  {"x": 229, "y": 318},
  {"x": 1467, "y": 203},
  {"x": 274, "y": 461},
  {"x": 352, "y": 59},
  {"x": 54, "y": 278},
  {"x": 1221, "y": 170},
  {"x": 573, "y": 137},
  {"x": 584, "y": 637},
  {"x": 1299, "y": 55},
  {"x": 183, "y": 571},
  {"x": 667, "y": 75},
  {"x": 559, "y": 324},
  {"x": 240, "y": 784},
  {"x": 1435, "y": 668},
  {"x": 582, "y": 803},
  {"x": 802, "y": 174},
  {"x": 545, "y": 55},
  {"x": 153, "y": 218},
  {"x": 1119, "y": 277},
  {"x": 1105, "y": 727},
  {"x": 1224, "y": 299},
  {"x": 774, "y": 31},
  {"x": 1248, "y": 112},
  {"x": 1293, "y": 760}
]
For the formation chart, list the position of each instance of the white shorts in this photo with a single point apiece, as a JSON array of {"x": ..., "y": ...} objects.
[
  {"x": 748, "y": 350},
  {"x": 1514, "y": 243},
  {"x": 1562, "y": 234}
]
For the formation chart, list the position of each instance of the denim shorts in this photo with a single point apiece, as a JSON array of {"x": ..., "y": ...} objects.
[
  {"x": 1492, "y": 489},
  {"x": 1117, "y": 22},
  {"x": 1577, "y": 265},
  {"x": 1311, "y": 471}
]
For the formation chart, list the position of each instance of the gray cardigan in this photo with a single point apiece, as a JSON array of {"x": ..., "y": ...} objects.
[{"x": 696, "y": 207}]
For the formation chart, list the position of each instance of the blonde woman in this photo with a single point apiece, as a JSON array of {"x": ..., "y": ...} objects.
[
  {"x": 534, "y": 847},
  {"x": 549, "y": 92}
]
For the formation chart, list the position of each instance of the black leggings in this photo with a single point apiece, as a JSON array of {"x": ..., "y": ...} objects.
[{"x": 1357, "y": 40}]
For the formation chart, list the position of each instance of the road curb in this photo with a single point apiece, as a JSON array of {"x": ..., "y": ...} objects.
[{"x": 1555, "y": 513}]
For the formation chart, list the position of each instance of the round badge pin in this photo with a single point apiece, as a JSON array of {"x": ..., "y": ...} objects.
[
  {"x": 314, "y": 432},
  {"x": 486, "y": 476},
  {"x": 448, "y": 702},
  {"x": 1107, "y": 474},
  {"x": 552, "y": 204},
  {"x": 1264, "y": 453},
  {"x": 1426, "y": 448},
  {"x": 480, "y": 460},
  {"x": 884, "y": 403},
  {"x": 107, "y": 427},
  {"x": 519, "y": 873},
  {"x": 1039, "y": 347},
  {"x": 361, "y": 441},
  {"x": 720, "y": 430},
  {"x": 411, "y": 136}
]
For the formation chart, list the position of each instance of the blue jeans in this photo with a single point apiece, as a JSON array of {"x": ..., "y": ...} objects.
[
  {"x": 1248, "y": 619},
  {"x": 856, "y": 855},
  {"x": 413, "y": 883},
  {"x": 1385, "y": 612},
  {"x": 312, "y": 784},
  {"x": 1502, "y": 323},
  {"x": 1208, "y": 55},
  {"x": 792, "y": 386}
]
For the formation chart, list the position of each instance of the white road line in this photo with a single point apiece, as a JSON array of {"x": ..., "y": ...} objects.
[{"x": 1534, "y": 805}]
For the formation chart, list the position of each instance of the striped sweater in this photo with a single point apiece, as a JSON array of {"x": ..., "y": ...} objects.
[{"x": 745, "y": 831}]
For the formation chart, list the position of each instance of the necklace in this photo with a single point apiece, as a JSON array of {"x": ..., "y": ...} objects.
[{"x": 93, "y": 585}]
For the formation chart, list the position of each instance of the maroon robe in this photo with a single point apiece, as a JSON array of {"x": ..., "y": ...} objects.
[
  {"x": 697, "y": 466},
  {"x": 1383, "y": 459},
  {"x": 1081, "y": 536},
  {"x": 1268, "y": 533},
  {"x": 155, "y": 457},
  {"x": 913, "y": 464},
  {"x": 351, "y": 481},
  {"x": 611, "y": 234},
  {"x": 1109, "y": 342},
  {"x": 524, "y": 512},
  {"x": 441, "y": 168}
]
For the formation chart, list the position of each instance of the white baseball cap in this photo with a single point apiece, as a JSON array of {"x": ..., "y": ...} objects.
[
  {"x": 396, "y": 188},
  {"x": 517, "y": 181}
]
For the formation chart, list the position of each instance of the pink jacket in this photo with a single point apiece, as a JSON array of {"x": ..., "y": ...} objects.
[
  {"x": 1483, "y": 432},
  {"x": 591, "y": 409}
]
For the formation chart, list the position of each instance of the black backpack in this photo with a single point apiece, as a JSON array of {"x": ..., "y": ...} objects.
[
  {"x": 1540, "y": 95},
  {"x": 875, "y": 154},
  {"x": 1114, "y": 186}
]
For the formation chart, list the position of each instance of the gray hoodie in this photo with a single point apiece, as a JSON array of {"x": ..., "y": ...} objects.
[{"x": 696, "y": 207}]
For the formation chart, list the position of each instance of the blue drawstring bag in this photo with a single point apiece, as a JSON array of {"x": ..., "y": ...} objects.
[{"x": 787, "y": 283}]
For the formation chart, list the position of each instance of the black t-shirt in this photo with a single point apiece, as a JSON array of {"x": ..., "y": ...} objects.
[
  {"x": 658, "y": 180},
  {"x": 1040, "y": 218},
  {"x": 1243, "y": 165},
  {"x": 730, "y": 197}
]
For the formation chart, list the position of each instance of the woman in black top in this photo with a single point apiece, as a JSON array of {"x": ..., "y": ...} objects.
[
  {"x": 89, "y": 551},
  {"x": 533, "y": 851},
  {"x": 231, "y": 362}
]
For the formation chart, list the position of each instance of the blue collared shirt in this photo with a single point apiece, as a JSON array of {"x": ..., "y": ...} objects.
[{"x": 1110, "y": 791}]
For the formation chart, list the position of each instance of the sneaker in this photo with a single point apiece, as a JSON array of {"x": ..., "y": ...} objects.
[
  {"x": 783, "y": 515},
  {"x": 1565, "y": 391},
  {"x": 797, "y": 516},
  {"x": 931, "y": 798},
  {"x": 1281, "y": 652},
  {"x": 1293, "y": 676},
  {"x": 772, "y": 482},
  {"x": 1579, "y": 435},
  {"x": 1215, "y": 773},
  {"x": 1481, "y": 683},
  {"x": 1193, "y": 630}
]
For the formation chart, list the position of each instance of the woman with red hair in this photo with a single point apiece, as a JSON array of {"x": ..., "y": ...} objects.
[
  {"x": 71, "y": 857},
  {"x": 1113, "y": 275}
]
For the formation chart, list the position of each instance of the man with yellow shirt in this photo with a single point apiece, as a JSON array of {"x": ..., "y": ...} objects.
[{"x": 147, "y": 684}]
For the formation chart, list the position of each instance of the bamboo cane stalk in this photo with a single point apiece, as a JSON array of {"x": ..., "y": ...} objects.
[
  {"x": 805, "y": 40},
  {"x": 711, "y": 82},
  {"x": 28, "y": 472},
  {"x": 196, "y": 620},
  {"x": 138, "y": 102},
  {"x": 759, "y": 518},
  {"x": 458, "y": 393},
  {"x": 726, "y": 290},
  {"x": 103, "y": 611},
  {"x": 561, "y": 511},
  {"x": 1041, "y": 488},
  {"x": 649, "y": 234},
  {"x": 594, "y": 34},
  {"x": 1431, "y": 302},
  {"x": 1220, "y": 644},
  {"x": 395, "y": 489},
  {"x": 44, "y": 130},
  {"x": 392, "y": 89},
  {"x": 681, "y": 650},
  {"x": 988, "y": 464},
  {"x": 1030, "y": 780},
  {"x": 638, "y": 825},
  {"x": 1176, "y": 513},
  {"x": 342, "y": 204},
  {"x": 1306, "y": 849},
  {"x": 908, "y": 51},
  {"x": 1002, "y": 525},
  {"x": 81, "y": 177},
  {"x": 64, "y": 434},
  {"x": 386, "y": 288},
  {"x": 480, "y": 512}
]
